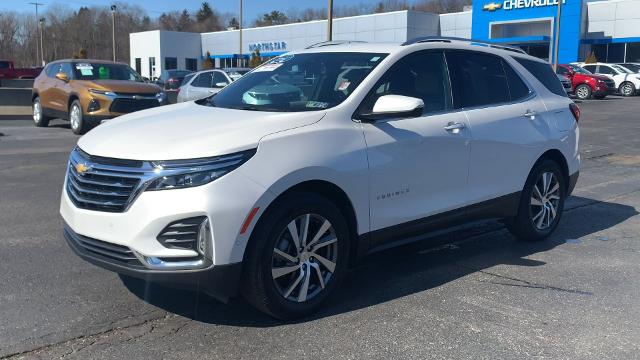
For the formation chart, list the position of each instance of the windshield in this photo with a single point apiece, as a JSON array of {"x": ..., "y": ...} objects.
[
  {"x": 621, "y": 69},
  {"x": 579, "y": 70},
  {"x": 300, "y": 82},
  {"x": 98, "y": 71}
]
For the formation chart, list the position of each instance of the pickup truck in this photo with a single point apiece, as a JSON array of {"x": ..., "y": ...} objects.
[{"x": 8, "y": 71}]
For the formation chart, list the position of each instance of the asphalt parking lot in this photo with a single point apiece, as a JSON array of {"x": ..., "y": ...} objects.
[{"x": 486, "y": 296}]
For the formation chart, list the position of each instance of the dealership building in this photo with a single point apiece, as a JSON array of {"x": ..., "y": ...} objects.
[{"x": 610, "y": 29}]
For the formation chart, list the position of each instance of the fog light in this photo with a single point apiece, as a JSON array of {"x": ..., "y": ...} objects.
[
  {"x": 205, "y": 239},
  {"x": 94, "y": 105}
]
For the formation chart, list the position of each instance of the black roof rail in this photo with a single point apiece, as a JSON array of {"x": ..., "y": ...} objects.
[
  {"x": 333, "y": 42},
  {"x": 424, "y": 39}
]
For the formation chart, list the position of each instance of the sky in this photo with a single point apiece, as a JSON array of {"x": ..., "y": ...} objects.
[{"x": 252, "y": 8}]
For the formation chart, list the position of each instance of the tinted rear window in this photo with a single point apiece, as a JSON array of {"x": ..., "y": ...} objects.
[
  {"x": 477, "y": 79},
  {"x": 544, "y": 73}
]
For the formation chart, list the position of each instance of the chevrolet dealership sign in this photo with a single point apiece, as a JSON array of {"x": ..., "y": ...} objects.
[{"x": 520, "y": 4}]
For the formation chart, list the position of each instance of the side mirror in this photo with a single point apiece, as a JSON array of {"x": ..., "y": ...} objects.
[
  {"x": 395, "y": 106},
  {"x": 62, "y": 76},
  {"x": 220, "y": 85}
]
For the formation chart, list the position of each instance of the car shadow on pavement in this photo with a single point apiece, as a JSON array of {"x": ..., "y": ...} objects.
[{"x": 405, "y": 270}]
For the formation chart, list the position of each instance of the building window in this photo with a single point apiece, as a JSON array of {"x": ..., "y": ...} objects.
[
  {"x": 152, "y": 68},
  {"x": 600, "y": 51},
  {"x": 615, "y": 53},
  {"x": 191, "y": 64},
  {"x": 170, "y": 63},
  {"x": 138, "y": 65},
  {"x": 633, "y": 52}
]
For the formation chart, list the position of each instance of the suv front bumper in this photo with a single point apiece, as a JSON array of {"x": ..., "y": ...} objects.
[{"x": 219, "y": 281}]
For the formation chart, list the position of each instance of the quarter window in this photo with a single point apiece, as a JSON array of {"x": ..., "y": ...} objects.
[
  {"x": 422, "y": 75},
  {"x": 544, "y": 73},
  {"x": 477, "y": 79}
]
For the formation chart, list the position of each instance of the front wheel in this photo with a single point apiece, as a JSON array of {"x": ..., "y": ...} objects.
[
  {"x": 39, "y": 118},
  {"x": 296, "y": 257},
  {"x": 583, "y": 92},
  {"x": 76, "y": 118},
  {"x": 627, "y": 89},
  {"x": 541, "y": 203}
]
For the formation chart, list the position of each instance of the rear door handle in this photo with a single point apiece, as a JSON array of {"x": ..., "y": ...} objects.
[
  {"x": 455, "y": 127},
  {"x": 530, "y": 114}
]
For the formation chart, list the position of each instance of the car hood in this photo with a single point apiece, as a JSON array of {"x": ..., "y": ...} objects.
[
  {"x": 187, "y": 131},
  {"x": 123, "y": 86}
]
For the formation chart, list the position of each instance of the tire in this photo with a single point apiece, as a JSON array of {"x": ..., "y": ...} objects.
[
  {"x": 76, "y": 118},
  {"x": 39, "y": 118},
  {"x": 281, "y": 297},
  {"x": 627, "y": 89},
  {"x": 583, "y": 92},
  {"x": 531, "y": 224}
]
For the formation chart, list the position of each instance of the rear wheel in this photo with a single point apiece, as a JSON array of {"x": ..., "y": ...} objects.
[
  {"x": 297, "y": 256},
  {"x": 39, "y": 118},
  {"x": 541, "y": 203},
  {"x": 583, "y": 91},
  {"x": 76, "y": 118},
  {"x": 627, "y": 89}
]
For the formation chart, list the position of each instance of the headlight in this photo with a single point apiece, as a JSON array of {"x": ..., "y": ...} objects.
[
  {"x": 178, "y": 174},
  {"x": 102, "y": 92}
]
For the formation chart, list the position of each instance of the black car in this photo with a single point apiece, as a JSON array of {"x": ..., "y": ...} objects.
[{"x": 172, "y": 79}]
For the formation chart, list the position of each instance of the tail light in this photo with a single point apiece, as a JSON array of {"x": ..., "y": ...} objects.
[{"x": 575, "y": 110}]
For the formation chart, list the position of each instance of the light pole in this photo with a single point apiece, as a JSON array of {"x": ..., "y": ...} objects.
[
  {"x": 330, "y": 20},
  {"x": 556, "y": 40},
  {"x": 240, "y": 32},
  {"x": 41, "y": 43},
  {"x": 113, "y": 30},
  {"x": 36, "y": 5}
]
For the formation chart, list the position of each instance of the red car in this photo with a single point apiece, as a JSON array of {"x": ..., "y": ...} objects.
[
  {"x": 586, "y": 84},
  {"x": 8, "y": 71}
]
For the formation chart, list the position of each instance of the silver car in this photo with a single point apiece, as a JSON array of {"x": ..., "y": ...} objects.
[{"x": 207, "y": 82}]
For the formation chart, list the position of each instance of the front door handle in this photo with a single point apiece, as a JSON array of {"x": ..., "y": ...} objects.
[
  {"x": 455, "y": 127},
  {"x": 530, "y": 114}
]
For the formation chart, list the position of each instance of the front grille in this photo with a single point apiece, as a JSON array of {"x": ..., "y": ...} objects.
[
  {"x": 106, "y": 251},
  {"x": 126, "y": 106},
  {"x": 101, "y": 187},
  {"x": 610, "y": 83},
  {"x": 182, "y": 234},
  {"x": 136, "y": 94}
]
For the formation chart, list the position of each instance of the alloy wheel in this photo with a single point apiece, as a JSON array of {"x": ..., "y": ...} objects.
[
  {"x": 582, "y": 92},
  {"x": 626, "y": 89},
  {"x": 304, "y": 258},
  {"x": 37, "y": 112},
  {"x": 545, "y": 199},
  {"x": 75, "y": 117}
]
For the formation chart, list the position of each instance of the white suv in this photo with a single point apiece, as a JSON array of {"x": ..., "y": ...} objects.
[
  {"x": 277, "y": 184},
  {"x": 627, "y": 82}
]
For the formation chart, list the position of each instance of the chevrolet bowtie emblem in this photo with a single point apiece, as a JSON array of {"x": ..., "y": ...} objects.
[
  {"x": 491, "y": 6},
  {"x": 81, "y": 168}
]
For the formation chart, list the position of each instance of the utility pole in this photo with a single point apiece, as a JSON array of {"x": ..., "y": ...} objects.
[
  {"x": 330, "y": 20},
  {"x": 113, "y": 30},
  {"x": 556, "y": 40},
  {"x": 41, "y": 43},
  {"x": 36, "y": 5},
  {"x": 240, "y": 32}
]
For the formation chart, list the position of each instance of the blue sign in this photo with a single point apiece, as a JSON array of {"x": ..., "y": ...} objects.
[{"x": 268, "y": 46}]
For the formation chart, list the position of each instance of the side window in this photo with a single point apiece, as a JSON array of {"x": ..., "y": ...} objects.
[
  {"x": 52, "y": 70},
  {"x": 544, "y": 73},
  {"x": 517, "y": 88},
  {"x": 66, "y": 68},
  {"x": 561, "y": 70},
  {"x": 590, "y": 68},
  {"x": 203, "y": 80},
  {"x": 422, "y": 75},
  {"x": 218, "y": 77},
  {"x": 477, "y": 79},
  {"x": 605, "y": 70}
]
